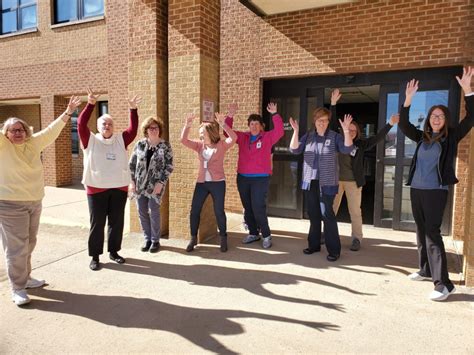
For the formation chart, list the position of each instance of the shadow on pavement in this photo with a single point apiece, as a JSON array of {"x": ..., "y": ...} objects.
[{"x": 196, "y": 325}]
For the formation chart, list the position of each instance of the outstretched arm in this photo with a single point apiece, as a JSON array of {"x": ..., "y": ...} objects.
[
  {"x": 84, "y": 116},
  {"x": 229, "y": 132},
  {"x": 131, "y": 132},
  {"x": 468, "y": 122},
  {"x": 405, "y": 125},
  {"x": 185, "y": 133},
  {"x": 278, "y": 130},
  {"x": 333, "y": 122},
  {"x": 370, "y": 142}
]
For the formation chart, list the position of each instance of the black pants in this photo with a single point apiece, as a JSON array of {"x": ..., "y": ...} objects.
[
  {"x": 428, "y": 208},
  {"x": 331, "y": 232},
  {"x": 201, "y": 191},
  {"x": 108, "y": 205},
  {"x": 253, "y": 194}
]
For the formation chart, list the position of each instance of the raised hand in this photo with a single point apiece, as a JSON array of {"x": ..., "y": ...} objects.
[
  {"x": 412, "y": 88},
  {"x": 346, "y": 123},
  {"x": 133, "y": 102},
  {"x": 272, "y": 107},
  {"x": 91, "y": 98},
  {"x": 233, "y": 107},
  {"x": 74, "y": 103},
  {"x": 220, "y": 118},
  {"x": 465, "y": 80},
  {"x": 394, "y": 119},
  {"x": 294, "y": 124},
  {"x": 189, "y": 120},
  {"x": 335, "y": 96}
]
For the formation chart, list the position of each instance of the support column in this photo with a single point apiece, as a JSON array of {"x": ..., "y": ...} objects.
[
  {"x": 193, "y": 42},
  {"x": 58, "y": 156}
]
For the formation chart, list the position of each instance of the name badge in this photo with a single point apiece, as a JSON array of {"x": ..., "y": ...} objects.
[
  {"x": 205, "y": 164},
  {"x": 259, "y": 145},
  {"x": 161, "y": 151},
  {"x": 327, "y": 142},
  {"x": 353, "y": 152},
  {"x": 110, "y": 156}
]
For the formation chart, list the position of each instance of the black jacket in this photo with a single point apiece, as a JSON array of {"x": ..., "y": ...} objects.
[
  {"x": 449, "y": 145},
  {"x": 361, "y": 145}
]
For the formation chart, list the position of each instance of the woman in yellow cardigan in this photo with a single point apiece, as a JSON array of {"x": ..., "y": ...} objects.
[{"x": 21, "y": 192}]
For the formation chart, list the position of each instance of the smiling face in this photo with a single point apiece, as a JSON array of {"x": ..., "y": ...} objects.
[
  {"x": 203, "y": 135},
  {"x": 437, "y": 120},
  {"x": 153, "y": 131},
  {"x": 353, "y": 131},
  {"x": 16, "y": 133},
  {"x": 105, "y": 126},
  {"x": 255, "y": 127},
  {"x": 321, "y": 124}
]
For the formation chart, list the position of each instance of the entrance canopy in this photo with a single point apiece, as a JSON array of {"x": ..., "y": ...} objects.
[{"x": 272, "y": 7}]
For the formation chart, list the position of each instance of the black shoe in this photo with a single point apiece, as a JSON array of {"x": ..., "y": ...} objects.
[
  {"x": 355, "y": 246},
  {"x": 309, "y": 251},
  {"x": 191, "y": 244},
  {"x": 117, "y": 258},
  {"x": 224, "y": 244},
  {"x": 146, "y": 246},
  {"x": 332, "y": 257},
  {"x": 94, "y": 265},
  {"x": 155, "y": 246}
]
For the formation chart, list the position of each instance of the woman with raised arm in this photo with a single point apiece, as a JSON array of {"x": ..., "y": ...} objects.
[
  {"x": 320, "y": 177},
  {"x": 21, "y": 193},
  {"x": 150, "y": 165},
  {"x": 211, "y": 150},
  {"x": 431, "y": 173},
  {"x": 351, "y": 170},
  {"x": 254, "y": 169},
  {"x": 106, "y": 177}
]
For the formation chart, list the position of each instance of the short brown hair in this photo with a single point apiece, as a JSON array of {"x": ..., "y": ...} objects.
[
  {"x": 11, "y": 121},
  {"x": 321, "y": 112},
  {"x": 212, "y": 129},
  {"x": 148, "y": 122}
]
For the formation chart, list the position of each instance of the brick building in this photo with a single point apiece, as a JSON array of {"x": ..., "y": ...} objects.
[{"x": 180, "y": 55}]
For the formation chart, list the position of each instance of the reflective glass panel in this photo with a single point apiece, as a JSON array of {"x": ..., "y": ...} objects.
[
  {"x": 9, "y": 22},
  {"x": 283, "y": 185},
  {"x": 391, "y": 137},
  {"x": 388, "y": 191},
  {"x": 406, "y": 212},
  {"x": 28, "y": 17},
  {"x": 66, "y": 10},
  {"x": 292, "y": 109},
  {"x": 93, "y": 8},
  {"x": 8, "y": 4}
]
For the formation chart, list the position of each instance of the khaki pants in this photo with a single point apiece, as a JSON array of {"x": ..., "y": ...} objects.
[
  {"x": 19, "y": 223},
  {"x": 354, "y": 199}
]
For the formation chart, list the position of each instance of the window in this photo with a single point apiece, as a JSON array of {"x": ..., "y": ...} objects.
[
  {"x": 74, "y": 10},
  {"x": 17, "y": 15},
  {"x": 74, "y": 134}
]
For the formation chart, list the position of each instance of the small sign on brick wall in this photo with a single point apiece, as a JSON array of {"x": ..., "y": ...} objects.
[{"x": 207, "y": 110}]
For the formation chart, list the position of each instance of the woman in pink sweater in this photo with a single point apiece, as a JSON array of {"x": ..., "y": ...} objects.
[{"x": 211, "y": 178}]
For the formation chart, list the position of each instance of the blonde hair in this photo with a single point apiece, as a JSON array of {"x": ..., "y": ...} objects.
[
  {"x": 11, "y": 121},
  {"x": 149, "y": 121},
  {"x": 212, "y": 129}
]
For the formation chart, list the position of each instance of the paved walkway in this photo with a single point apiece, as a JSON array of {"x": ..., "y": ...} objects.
[{"x": 248, "y": 300}]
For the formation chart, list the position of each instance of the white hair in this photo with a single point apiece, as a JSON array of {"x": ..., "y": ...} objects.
[{"x": 11, "y": 121}]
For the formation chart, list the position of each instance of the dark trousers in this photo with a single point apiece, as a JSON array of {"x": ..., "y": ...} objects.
[
  {"x": 253, "y": 194},
  {"x": 428, "y": 208},
  {"x": 201, "y": 191},
  {"x": 315, "y": 203},
  {"x": 108, "y": 205}
]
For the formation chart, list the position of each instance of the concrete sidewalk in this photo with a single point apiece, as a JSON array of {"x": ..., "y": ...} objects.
[{"x": 247, "y": 300}]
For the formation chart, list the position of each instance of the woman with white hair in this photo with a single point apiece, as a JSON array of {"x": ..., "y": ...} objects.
[
  {"x": 21, "y": 192},
  {"x": 106, "y": 177}
]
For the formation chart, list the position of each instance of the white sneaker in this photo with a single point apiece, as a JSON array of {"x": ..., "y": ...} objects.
[
  {"x": 417, "y": 277},
  {"x": 267, "y": 242},
  {"x": 250, "y": 239},
  {"x": 441, "y": 296},
  {"x": 20, "y": 297},
  {"x": 34, "y": 283}
]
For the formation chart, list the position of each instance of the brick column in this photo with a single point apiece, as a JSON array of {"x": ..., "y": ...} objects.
[
  {"x": 147, "y": 75},
  {"x": 193, "y": 42},
  {"x": 57, "y": 157}
]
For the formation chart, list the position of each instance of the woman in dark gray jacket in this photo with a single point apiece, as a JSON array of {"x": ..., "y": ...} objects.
[{"x": 431, "y": 173}]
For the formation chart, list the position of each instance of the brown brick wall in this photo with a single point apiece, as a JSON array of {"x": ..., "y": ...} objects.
[{"x": 29, "y": 113}]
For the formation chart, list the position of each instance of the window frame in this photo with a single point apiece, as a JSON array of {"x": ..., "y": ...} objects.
[
  {"x": 79, "y": 15},
  {"x": 18, "y": 10}
]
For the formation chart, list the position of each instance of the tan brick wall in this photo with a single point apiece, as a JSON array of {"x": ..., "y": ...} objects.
[{"x": 29, "y": 113}]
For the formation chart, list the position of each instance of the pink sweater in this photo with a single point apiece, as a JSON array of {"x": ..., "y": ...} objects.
[
  {"x": 215, "y": 165},
  {"x": 256, "y": 157}
]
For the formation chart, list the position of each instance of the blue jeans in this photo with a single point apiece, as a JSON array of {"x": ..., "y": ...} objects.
[
  {"x": 253, "y": 194},
  {"x": 149, "y": 214},
  {"x": 315, "y": 203}
]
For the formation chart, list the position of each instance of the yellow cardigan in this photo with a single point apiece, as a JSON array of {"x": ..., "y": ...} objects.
[{"x": 21, "y": 169}]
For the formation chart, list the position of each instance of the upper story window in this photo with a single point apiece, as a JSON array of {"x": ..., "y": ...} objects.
[
  {"x": 17, "y": 15},
  {"x": 75, "y": 10}
]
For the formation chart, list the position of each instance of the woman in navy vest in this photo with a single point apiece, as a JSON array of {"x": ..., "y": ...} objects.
[
  {"x": 320, "y": 177},
  {"x": 431, "y": 172}
]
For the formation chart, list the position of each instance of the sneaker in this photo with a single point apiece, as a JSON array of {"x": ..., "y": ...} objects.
[
  {"x": 417, "y": 277},
  {"x": 146, "y": 246},
  {"x": 33, "y": 283},
  {"x": 250, "y": 239},
  {"x": 436, "y": 295},
  {"x": 155, "y": 246},
  {"x": 355, "y": 246},
  {"x": 267, "y": 242},
  {"x": 20, "y": 297}
]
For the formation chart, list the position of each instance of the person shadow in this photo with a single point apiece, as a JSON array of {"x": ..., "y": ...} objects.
[
  {"x": 252, "y": 281},
  {"x": 196, "y": 325}
]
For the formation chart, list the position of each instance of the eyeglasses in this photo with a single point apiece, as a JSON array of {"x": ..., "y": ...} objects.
[
  {"x": 439, "y": 117},
  {"x": 18, "y": 130},
  {"x": 153, "y": 128},
  {"x": 322, "y": 120}
]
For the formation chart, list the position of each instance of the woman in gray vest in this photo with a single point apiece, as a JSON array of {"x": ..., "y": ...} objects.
[{"x": 320, "y": 177}]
